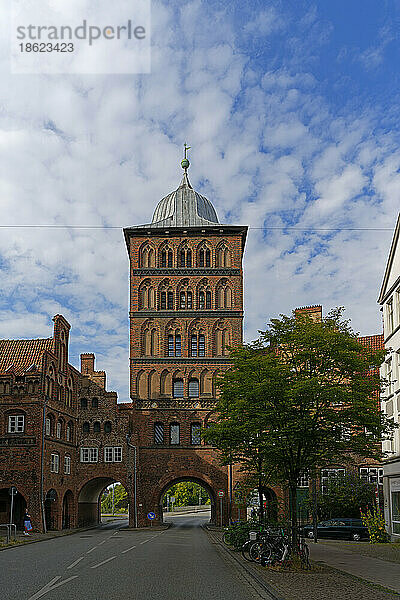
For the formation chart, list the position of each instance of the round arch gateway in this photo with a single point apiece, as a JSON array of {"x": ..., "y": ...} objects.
[
  {"x": 89, "y": 511},
  {"x": 206, "y": 487}
]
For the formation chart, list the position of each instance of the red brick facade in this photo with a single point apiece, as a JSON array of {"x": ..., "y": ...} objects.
[{"x": 183, "y": 318}]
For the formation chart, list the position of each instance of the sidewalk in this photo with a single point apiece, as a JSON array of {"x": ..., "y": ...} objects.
[{"x": 373, "y": 570}]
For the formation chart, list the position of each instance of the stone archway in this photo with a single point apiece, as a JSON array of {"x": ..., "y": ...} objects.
[
  {"x": 19, "y": 507},
  {"x": 197, "y": 479},
  {"x": 89, "y": 499},
  {"x": 67, "y": 510},
  {"x": 51, "y": 509}
]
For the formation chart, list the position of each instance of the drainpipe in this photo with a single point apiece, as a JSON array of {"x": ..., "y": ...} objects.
[
  {"x": 42, "y": 468},
  {"x": 135, "y": 515}
]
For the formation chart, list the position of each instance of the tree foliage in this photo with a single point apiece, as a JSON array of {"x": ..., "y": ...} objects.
[
  {"x": 187, "y": 493},
  {"x": 344, "y": 496},
  {"x": 304, "y": 395},
  {"x": 120, "y": 499}
]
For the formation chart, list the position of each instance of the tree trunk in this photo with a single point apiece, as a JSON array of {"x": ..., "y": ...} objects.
[
  {"x": 293, "y": 512},
  {"x": 260, "y": 500}
]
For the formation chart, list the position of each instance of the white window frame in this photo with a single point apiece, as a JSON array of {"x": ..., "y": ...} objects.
[
  {"x": 58, "y": 430},
  {"x": 112, "y": 454},
  {"x": 304, "y": 480},
  {"x": 331, "y": 473},
  {"x": 67, "y": 464},
  {"x": 372, "y": 475},
  {"x": 68, "y": 433},
  {"x": 54, "y": 462},
  {"x": 89, "y": 455},
  {"x": 16, "y": 423},
  {"x": 48, "y": 426}
]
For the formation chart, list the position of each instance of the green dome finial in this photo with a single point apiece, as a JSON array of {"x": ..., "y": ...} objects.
[{"x": 185, "y": 162}]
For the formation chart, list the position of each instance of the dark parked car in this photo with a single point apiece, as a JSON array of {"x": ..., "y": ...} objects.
[{"x": 344, "y": 529}]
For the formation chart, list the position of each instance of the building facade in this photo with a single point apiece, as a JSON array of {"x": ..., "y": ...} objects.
[
  {"x": 389, "y": 300},
  {"x": 186, "y": 310}
]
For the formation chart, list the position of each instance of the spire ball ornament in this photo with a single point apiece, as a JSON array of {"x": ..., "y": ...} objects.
[{"x": 185, "y": 162}]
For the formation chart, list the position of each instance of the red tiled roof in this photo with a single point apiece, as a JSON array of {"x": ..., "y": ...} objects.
[
  {"x": 375, "y": 341},
  {"x": 23, "y": 353}
]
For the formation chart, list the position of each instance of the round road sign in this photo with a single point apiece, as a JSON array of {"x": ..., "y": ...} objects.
[
  {"x": 221, "y": 493},
  {"x": 151, "y": 516}
]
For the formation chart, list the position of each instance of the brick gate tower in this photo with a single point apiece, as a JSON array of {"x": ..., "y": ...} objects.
[{"x": 186, "y": 309}]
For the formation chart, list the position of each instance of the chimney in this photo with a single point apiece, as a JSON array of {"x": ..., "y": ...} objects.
[
  {"x": 87, "y": 364},
  {"x": 313, "y": 312}
]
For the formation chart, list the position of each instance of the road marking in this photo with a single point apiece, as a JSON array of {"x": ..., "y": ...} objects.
[
  {"x": 78, "y": 560},
  {"x": 145, "y": 541},
  {"x": 101, "y": 543},
  {"x": 51, "y": 586},
  {"x": 103, "y": 563},
  {"x": 131, "y": 548},
  {"x": 91, "y": 550}
]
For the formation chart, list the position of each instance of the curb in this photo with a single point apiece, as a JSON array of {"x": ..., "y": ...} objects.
[{"x": 266, "y": 588}]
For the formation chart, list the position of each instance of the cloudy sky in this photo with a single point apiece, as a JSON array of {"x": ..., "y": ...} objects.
[{"x": 292, "y": 111}]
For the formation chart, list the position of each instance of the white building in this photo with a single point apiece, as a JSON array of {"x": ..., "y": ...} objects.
[{"x": 389, "y": 299}]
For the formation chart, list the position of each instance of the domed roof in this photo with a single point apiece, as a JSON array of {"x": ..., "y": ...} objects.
[{"x": 184, "y": 208}]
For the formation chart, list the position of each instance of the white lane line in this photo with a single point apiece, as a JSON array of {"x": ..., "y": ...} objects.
[
  {"x": 101, "y": 543},
  {"x": 45, "y": 589},
  {"x": 145, "y": 541},
  {"x": 103, "y": 562},
  {"x": 78, "y": 560},
  {"x": 91, "y": 550},
  {"x": 131, "y": 548}
]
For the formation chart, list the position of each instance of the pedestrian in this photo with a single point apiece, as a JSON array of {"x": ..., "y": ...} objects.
[{"x": 27, "y": 522}]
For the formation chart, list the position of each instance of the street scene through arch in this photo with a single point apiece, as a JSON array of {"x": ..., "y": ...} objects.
[{"x": 189, "y": 497}]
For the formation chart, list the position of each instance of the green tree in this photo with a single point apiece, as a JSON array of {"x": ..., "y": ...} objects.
[
  {"x": 304, "y": 395},
  {"x": 120, "y": 499},
  {"x": 187, "y": 493},
  {"x": 344, "y": 496}
]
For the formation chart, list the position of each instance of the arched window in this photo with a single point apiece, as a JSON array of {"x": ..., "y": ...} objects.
[
  {"x": 174, "y": 434},
  {"x": 95, "y": 403},
  {"x": 208, "y": 300},
  {"x": 170, "y": 301},
  {"x": 195, "y": 434},
  {"x": 158, "y": 433},
  {"x": 193, "y": 388},
  {"x": 69, "y": 392},
  {"x": 58, "y": 429},
  {"x": 86, "y": 427},
  {"x": 174, "y": 344},
  {"x": 163, "y": 300},
  {"x": 170, "y": 258},
  {"x": 222, "y": 340},
  {"x": 96, "y": 427},
  {"x": 163, "y": 258},
  {"x": 197, "y": 344},
  {"x": 147, "y": 257},
  {"x": 185, "y": 296},
  {"x": 223, "y": 256},
  {"x": 107, "y": 427},
  {"x": 177, "y": 387},
  {"x": 146, "y": 295},
  {"x": 185, "y": 256},
  {"x": 68, "y": 432},
  {"x": 202, "y": 300},
  {"x": 84, "y": 403},
  {"x": 224, "y": 294}
]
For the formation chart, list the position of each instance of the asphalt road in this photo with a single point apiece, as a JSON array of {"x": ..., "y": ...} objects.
[{"x": 179, "y": 563}]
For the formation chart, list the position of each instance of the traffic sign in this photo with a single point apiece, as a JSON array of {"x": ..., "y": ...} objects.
[
  {"x": 13, "y": 491},
  {"x": 221, "y": 493},
  {"x": 172, "y": 499},
  {"x": 151, "y": 516}
]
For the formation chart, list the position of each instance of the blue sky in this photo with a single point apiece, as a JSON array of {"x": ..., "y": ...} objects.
[{"x": 291, "y": 109}]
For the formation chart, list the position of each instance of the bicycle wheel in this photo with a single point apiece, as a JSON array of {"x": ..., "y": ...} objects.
[
  {"x": 261, "y": 553},
  {"x": 304, "y": 556},
  {"x": 246, "y": 550},
  {"x": 227, "y": 539}
]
